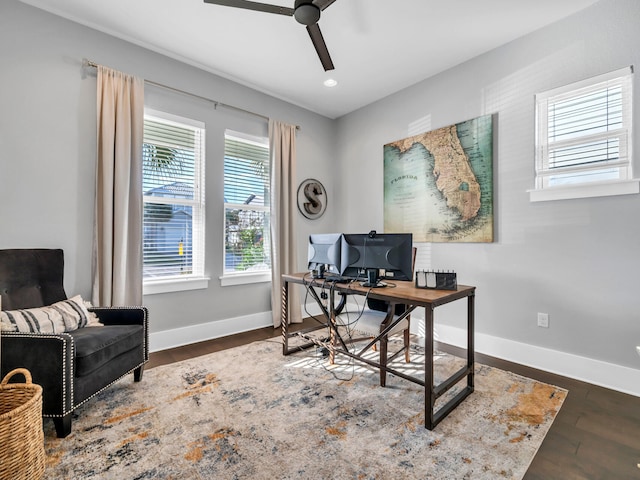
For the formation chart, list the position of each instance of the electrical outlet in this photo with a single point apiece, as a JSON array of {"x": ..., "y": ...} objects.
[{"x": 543, "y": 320}]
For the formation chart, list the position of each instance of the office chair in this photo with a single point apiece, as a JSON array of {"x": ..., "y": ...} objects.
[{"x": 374, "y": 319}]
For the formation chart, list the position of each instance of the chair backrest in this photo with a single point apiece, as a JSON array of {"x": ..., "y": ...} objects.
[
  {"x": 31, "y": 277},
  {"x": 381, "y": 305}
]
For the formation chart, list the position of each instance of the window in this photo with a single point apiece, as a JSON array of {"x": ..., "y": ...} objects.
[
  {"x": 173, "y": 198},
  {"x": 246, "y": 206},
  {"x": 583, "y": 138}
]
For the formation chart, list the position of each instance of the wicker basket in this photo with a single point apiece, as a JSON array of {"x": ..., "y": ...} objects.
[{"x": 21, "y": 436}]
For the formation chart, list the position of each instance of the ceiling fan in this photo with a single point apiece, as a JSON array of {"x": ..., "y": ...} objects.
[{"x": 306, "y": 12}]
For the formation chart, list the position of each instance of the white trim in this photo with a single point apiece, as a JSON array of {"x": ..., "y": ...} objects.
[
  {"x": 176, "y": 120},
  {"x": 245, "y": 278},
  {"x": 245, "y": 137},
  {"x": 586, "y": 83},
  {"x": 197, "y": 204},
  {"x": 620, "y": 167},
  {"x": 177, "y": 337},
  {"x": 152, "y": 287},
  {"x": 608, "y": 375},
  {"x": 585, "y": 190}
]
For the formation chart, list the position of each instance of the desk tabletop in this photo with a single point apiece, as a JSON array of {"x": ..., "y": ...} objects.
[{"x": 395, "y": 291}]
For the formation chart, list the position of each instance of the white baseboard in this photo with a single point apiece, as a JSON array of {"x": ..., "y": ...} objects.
[
  {"x": 608, "y": 375},
  {"x": 177, "y": 337}
]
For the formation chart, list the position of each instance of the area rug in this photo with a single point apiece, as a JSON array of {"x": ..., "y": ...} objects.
[{"x": 252, "y": 413}]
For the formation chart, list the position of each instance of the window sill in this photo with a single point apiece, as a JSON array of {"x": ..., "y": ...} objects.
[
  {"x": 624, "y": 187},
  {"x": 153, "y": 287},
  {"x": 245, "y": 278}
]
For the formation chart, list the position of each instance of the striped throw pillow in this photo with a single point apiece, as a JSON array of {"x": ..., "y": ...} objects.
[{"x": 64, "y": 316}]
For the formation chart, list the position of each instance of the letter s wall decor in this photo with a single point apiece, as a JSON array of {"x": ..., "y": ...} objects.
[{"x": 312, "y": 198}]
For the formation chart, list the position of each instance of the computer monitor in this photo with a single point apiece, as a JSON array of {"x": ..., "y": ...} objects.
[
  {"x": 391, "y": 254},
  {"x": 324, "y": 252}
]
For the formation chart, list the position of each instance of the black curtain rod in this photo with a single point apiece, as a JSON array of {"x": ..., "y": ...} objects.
[{"x": 216, "y": 104}]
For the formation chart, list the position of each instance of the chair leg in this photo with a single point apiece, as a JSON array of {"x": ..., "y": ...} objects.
[
  {"x": 407, "y": 345},
  {"x": 137, "y": 373},
  {"x": 63, "y": 425}
]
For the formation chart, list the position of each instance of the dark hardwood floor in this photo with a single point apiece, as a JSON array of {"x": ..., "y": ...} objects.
[{"x": 595, "y": 436}]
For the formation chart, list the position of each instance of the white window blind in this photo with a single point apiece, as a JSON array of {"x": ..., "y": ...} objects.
[
  {"x": 246, "y": 204},
  {"x": 173, "y": 189},
  {"x": 583, "y": 132}
]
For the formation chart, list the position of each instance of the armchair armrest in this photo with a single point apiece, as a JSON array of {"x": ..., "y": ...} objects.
[
  {"x": 122, "y": 315},
  {"x": 52, "y": 368}
]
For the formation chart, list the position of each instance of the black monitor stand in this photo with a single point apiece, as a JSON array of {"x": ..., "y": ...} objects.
[{"x": 372, "y": 279}]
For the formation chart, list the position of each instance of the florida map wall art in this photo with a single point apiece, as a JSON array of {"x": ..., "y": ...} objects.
[{"x": 438, "y": 185}]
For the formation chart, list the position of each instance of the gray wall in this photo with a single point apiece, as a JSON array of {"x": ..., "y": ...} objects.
[
  {"x": 577, "y": 260},
  {"x": 47, "y": 151}
]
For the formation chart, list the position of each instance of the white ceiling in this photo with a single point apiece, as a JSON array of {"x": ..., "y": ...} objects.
[{"x": 378, "y": 46}]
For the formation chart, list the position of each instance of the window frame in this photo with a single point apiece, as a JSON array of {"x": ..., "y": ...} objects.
[
  {"x": 197, "y": 279},
  {"x": 229, "y": 278},
  {"x": 624, "y": 184}
]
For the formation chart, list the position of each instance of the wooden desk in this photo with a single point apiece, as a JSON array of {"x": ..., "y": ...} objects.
[{"x": 404, "y": 293}]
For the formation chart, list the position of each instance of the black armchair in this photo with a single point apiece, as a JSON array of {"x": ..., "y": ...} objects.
[{"x": 72, "y": 366}]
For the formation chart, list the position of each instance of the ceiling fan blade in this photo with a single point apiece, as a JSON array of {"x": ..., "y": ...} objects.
[
  {"x": 322, "y": 4},
  {"x": 321, "y": 47},
  {"x": 259, "y": 7}
]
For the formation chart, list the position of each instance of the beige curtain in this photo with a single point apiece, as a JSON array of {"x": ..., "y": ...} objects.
[
  {"x": 282, "y": 144},
  {"x": 117, "y": 242}
]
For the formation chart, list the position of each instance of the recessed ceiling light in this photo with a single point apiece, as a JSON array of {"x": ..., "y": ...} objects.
[{"x": 330, "y": 82}]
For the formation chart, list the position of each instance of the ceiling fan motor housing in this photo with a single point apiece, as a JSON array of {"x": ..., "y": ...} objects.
[{"x": 306, "y": 13}]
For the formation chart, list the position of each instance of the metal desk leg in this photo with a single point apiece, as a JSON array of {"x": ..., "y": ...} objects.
[
  {"x": 433, "y": 392},
  {"x": 470, "y": 340},
  {"x": 332, "y": 331},
  {"x": 429, "y": 387}
]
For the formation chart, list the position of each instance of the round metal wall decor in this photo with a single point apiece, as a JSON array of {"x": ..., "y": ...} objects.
[{"x": 312, "y": 198}]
